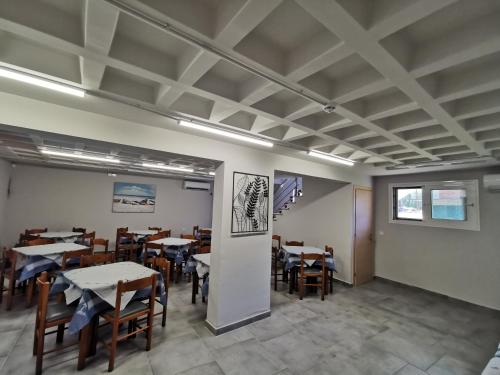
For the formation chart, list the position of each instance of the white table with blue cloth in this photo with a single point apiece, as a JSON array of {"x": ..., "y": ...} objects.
[
  {"x": 61, "y": 236},
  {"x": 93, "y": 290},
  {"x": 177, "y": 249},
  {"x": 199, "y": 266},
  {"x": 291, "y": 259}
]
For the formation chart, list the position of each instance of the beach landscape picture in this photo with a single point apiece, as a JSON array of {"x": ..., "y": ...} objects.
[{"x": 133, "y": 197}]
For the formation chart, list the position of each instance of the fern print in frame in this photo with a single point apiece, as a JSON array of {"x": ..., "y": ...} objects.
[{"x": 250, "y": 203}]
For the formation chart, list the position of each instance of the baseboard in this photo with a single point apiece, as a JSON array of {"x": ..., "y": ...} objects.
[
  {"x": 239, "y": 324},
  {"x": 344, "y": 283}
]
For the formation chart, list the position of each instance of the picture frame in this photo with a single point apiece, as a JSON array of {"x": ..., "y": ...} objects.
[{"x": 131, "y": 197}]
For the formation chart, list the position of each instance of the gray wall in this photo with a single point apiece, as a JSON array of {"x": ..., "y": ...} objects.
[
  {"x": 60, "y": 199},
  {"x": 5, "y": 170},
  {"x": 462, "y": 264},
  {"x": 322, "y": 216}
]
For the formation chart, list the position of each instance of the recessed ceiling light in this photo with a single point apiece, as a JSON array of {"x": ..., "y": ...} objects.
[
  {"x": 111, "y": 174},
  {"x": 80, "y": 156},
  {"x": 41, "y": 82},
  {"x": 168, "y": 167},
  {"x": 224, "y": 133},
  {"x": 335, "y": 159}
]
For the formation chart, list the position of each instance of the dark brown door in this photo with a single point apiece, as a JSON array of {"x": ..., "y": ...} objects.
[{"x": 363, "y": 245}]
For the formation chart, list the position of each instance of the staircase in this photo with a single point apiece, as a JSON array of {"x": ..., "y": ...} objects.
[{"x": 286, "y": 192}]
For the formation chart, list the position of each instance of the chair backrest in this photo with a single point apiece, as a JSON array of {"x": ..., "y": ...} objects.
[
  {"x": 75, "y": 254},
  {"x": 163, "y": 265},
  {"x": 88, "y": 239},
  {"x": 24, "y": 238},
  {"x": 120, "y": 232},
  {"x": 278, "y": 240},
  {"x": 196, "y": 228},
  {"x": 329, "y": 249},
  {"x": 158, "y": 229},
  {"x": 203, "y": 250},
  {"x": 294, "y": 243},
  {"x": 165, "y": 233},
  {"x": 79, "y": 229},
  {"x": 154, "y": 237},
  {"x": 311, "y": 256},
  {"x": 101, "y": 242},
  {"x": 96, "y": 259},
  {"x": 129, "y": 286},
  {"x": 153, "y": 246},
  {"x": 35, "y": 231},
  {"x": 40, "y": 241},
  {"x": 188, "y": 236},
  {"x": 43, "y": 297}
]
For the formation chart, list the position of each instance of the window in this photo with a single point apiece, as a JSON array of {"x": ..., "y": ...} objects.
[
  {"x": 408, "y": 203},
  {"x": 447, "y": 204}
]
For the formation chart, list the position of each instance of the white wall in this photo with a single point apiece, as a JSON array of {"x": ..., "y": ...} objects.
[
  {"x": 239, "y": 283},
  {"x": 462, "y": 264},
  {"x": 322, "y": 216},
  {"x": 5, "y": 170},
  {"x": 61, "y": 198}
]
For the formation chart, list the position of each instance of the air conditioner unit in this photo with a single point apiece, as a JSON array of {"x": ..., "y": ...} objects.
[
  {"x": 196, "y": 185},
  {"x": 491, "y": 182}
]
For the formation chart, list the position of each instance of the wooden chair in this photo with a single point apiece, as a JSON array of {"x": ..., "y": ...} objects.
[
  {"x": 101, "y": 242},
  {"x": 162, "y": 265},
  {"x": 312, "y": 272},
  {"x": 158, "y": 229},
  {"x": 294, "y": 243},
  {"x": 329, "y": 249},
  {"x": 130, "y": 315},
  {"x": 205, "y": 237},
  {"x": 188, "y": 236},
  {"x": 203, "y": 250},
  {"x": 196, "y": 228},
  {"x": 8, "y": 271},
  {"x": 276, "y": 246},
  {"x": 81, "y": 230},
  {"x": 48, "y": 316},
  {"x": 40, "y": 241},
  {"x": 120, "y": 236},
  {"x": 28, "y": 232},
  {"x": 127, "y": 250},
  {"x": 148, "y": 257},
  {"x": 96, "y": 259},
  {"x": 87, "y": 239},
  {"x": 70, "y": 257},
  {"x": 24, "y": 238},
  {"x": 165, "y": 233}
]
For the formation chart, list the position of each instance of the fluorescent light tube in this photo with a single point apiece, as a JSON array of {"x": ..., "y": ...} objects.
[
  {"x": 42, "y": 82},
  {"x": 168, "y": 167},
  {"x": 335, "y": 159},
  {"x": 224, "y": 133},
  {"x": 79, "y": 156},
  {"x": 211, "y": 173}
]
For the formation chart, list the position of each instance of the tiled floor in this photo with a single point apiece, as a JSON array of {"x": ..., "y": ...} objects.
[{"x": 379, "y": 328}]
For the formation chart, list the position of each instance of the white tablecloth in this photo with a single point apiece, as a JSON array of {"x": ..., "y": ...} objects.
[
  {"x": 143, "y": 232},
  {"x": 173, "y": 241},
  {"x": 103, "y": 280},
  {"x": 60, "y": 234},
  {"x": 297, "y": 250},
  {"x": 202, "y": 264},
  {"x": 51, "y": 251}
]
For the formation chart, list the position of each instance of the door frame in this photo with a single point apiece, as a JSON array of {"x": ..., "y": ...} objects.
[{"x": 353, "y": 267}]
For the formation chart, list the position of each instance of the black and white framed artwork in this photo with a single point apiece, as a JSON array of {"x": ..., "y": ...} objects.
[{"x": 250, "y": 203}]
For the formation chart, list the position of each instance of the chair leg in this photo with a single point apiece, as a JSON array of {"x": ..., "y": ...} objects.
[
  {"x": 172, "y": 268},
  {"x": 10, "y": 293},
  {"x": 323, "y": 282},
  {"x": 30, "y": 292},
  {"x": 60, "y": 333},
  {"x": 275, "y": 266},
  {"x": 2, "y": 280},
  {"x": 35, "y": 337},
  {"x": 178, "y": 273},
  {"x": 39, "y": 349},
  {"x": 112, "y": 352},
  {"x": 164, "y": 316},
  {"x": 301, "y": 287},
  {"x": 331, "y": 281},
  {"x": 149, "y": 332}
]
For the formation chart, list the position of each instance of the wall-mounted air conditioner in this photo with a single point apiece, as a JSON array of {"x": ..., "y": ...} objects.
[
  {"x": 196, "y": 185},
  {"x": 491, "y": 182}
]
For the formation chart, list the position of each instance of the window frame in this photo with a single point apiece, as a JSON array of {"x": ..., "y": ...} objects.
[
  {"x": 395, "y": 205},
  {"x": 472, "y": 213}
]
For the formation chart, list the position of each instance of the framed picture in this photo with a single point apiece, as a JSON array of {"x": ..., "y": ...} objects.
[
  {"x": 250, "y": 203},
  {"x": 133, "y": 197}
]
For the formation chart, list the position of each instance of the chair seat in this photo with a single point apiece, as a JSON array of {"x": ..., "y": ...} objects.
[
  {"x": 59, "y": 311},
  {"x": 132, "y": 308},
  {"x": 312, "y": 272}
]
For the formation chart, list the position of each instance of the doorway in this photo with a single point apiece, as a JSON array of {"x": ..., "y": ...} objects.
[{"x": 364, "y": 258}]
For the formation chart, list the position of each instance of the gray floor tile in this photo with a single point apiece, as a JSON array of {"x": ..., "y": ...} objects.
[
  {"x": 452, "y": 366},
  {"x": 410, "y": 370},
  {"x": 209, "y": 369}
]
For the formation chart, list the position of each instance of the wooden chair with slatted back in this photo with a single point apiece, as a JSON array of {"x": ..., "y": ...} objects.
[
  {"x": 162, "y": 265},
  {"x": 188, "y": 236},
  {"x": 88, "y": 239},
  {"x": 24, "y": 238},
  {"x": 307, "y": 272},
  {"x": 196, "y": 228},
  {"x": 120, "y": 234},
  {"x": 8, "y": 271},
  {"x": 49, "y": 316},
  {"x": 204, "y": 250},
  {"x": 205, "y": 237},
  {"x": 101, "y": 242},
  {"x": 130, "y": 314},
  {"x": 275, "y": 249},
  {"x": 80, "y": 230},
  {"x": 28, "y": 232},
  {"x": 127, "y": 250},
  {"x": 40, "y": 241},
  {"x": 158, "y": 229},
  {"x": 151, "y": 250},
  {"x": 165, "y": 233},
  {"x": 71, "y": 259},
  {"x": 96, "y": 259},
  {"x": 294, "y": 243},
  {"x": 329, "y": 249}
]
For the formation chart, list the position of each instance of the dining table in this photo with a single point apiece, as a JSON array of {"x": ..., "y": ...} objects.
[
  {"x": 199, "y": 266},
  {"x": 93, "y": 290},
  {"x": 175, "y": 248},
  {"x": 291, "y": 260},
  {"x": 61, "y": 236}
]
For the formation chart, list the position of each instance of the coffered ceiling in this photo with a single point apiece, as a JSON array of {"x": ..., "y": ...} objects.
[{"x": 414, "y": 82}]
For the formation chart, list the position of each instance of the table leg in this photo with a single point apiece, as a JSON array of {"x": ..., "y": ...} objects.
[
  {"x": 291, "y": 282},
  {"x": 88, "y": 342},
  {"x": 30, "y": 292},
  {"x": 195, "y": 286}
]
